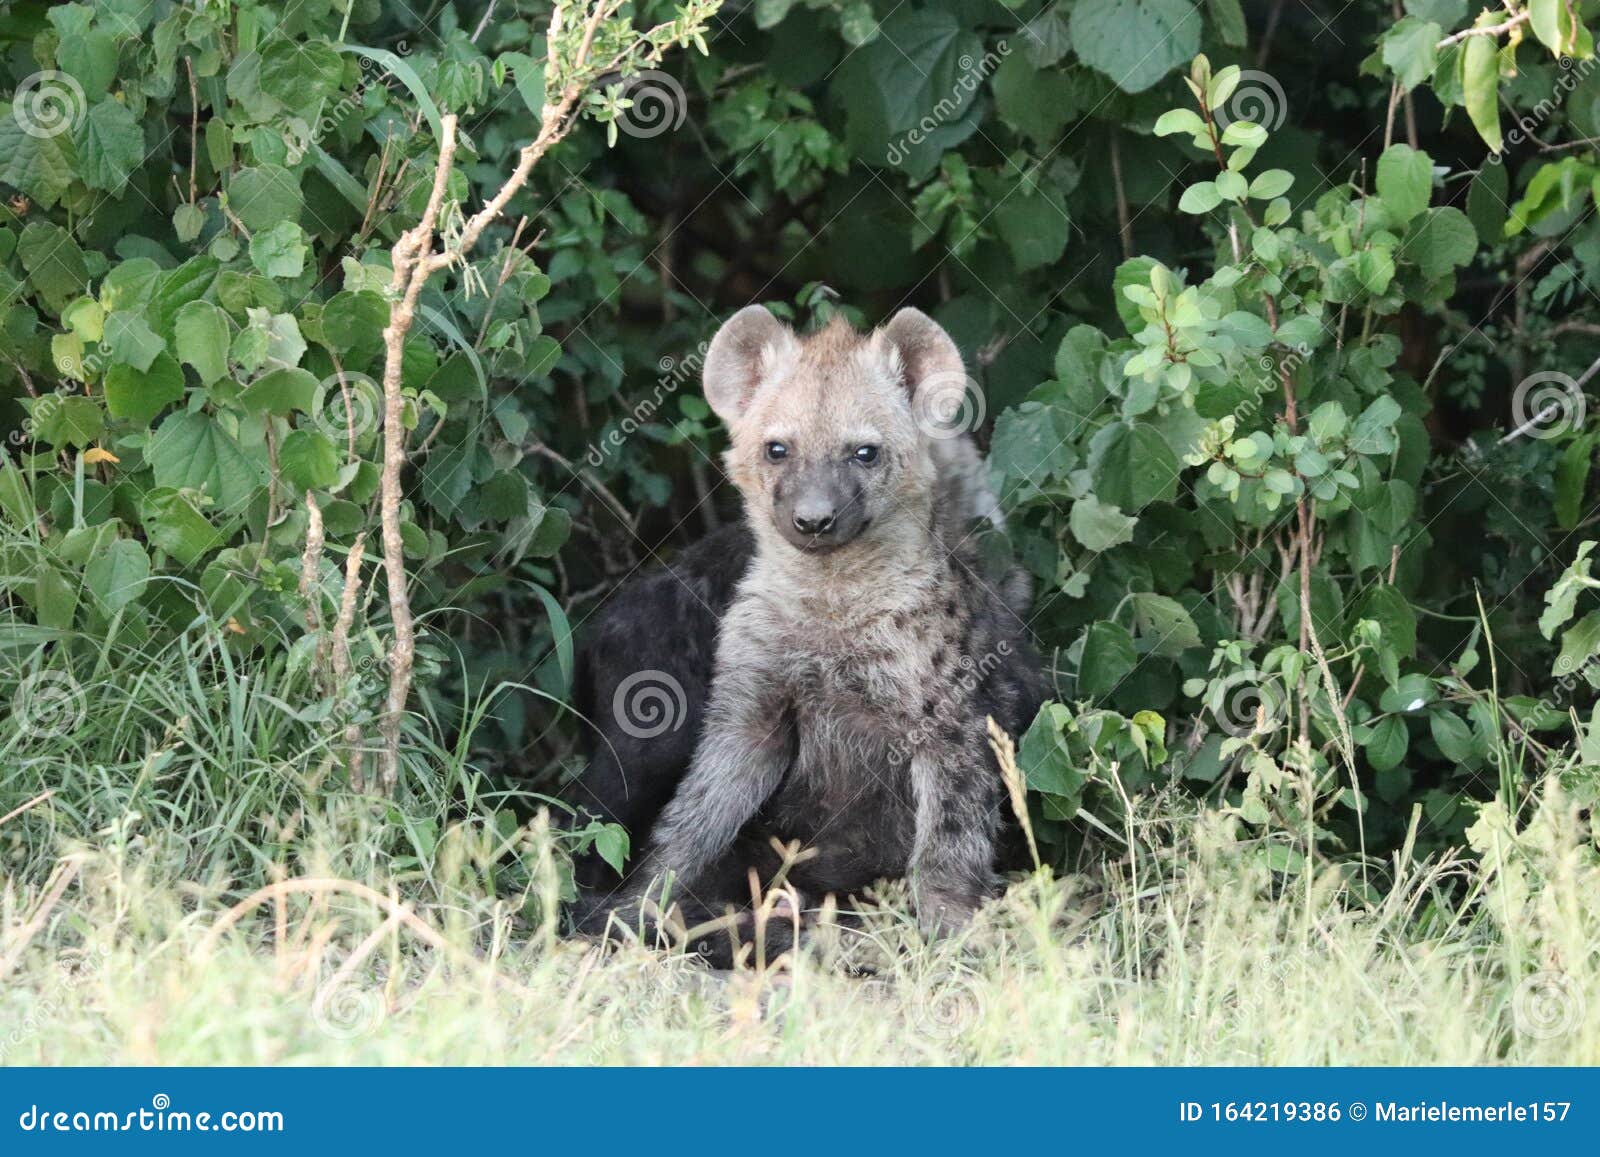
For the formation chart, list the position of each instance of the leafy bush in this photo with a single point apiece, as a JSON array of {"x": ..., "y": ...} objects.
[{"x": 1292, "y": 482}]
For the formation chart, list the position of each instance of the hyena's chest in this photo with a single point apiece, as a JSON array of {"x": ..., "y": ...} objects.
[{"x": 848, "y": 792}]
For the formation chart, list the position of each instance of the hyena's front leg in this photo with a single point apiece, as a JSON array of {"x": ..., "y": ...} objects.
[
  {"x": 741, "y": 758},
  {"x": 952, "y": 859}
]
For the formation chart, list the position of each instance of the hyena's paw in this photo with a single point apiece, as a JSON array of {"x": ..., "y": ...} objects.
[{"x": 941, "y": 913}]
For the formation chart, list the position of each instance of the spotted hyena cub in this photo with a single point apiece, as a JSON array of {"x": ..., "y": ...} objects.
[{"x": 860, "y": 649}]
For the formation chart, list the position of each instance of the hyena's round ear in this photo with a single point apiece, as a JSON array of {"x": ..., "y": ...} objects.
[
  {"x": 746, "y": 349},
  {"x": 922, "y": 350}
]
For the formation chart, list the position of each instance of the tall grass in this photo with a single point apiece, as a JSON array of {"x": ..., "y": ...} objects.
[{"x": 187, "y": 881}]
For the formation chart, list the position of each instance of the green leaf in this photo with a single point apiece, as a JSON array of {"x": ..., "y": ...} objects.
[
  {"x": 55, "y": 598},
  {"x": 301, "y": 74},
  {"x": 193, "y": 452},
  {"x": 1453, "y": 736},
  {"x": 1411, "y": 694},
  {"x": 129, "y": 339},
  {"x": 1227, "y": 18},
  {"x": 1035, "y": 228},
  {"x": 528, "y": 74},
  {"x": 1046, "y": 761},
  {"x": 1271, "y": 183},
  {"x": 1389, "y": 609},
  {"x": 903, "y": 96},
  {"x": 1132, "y": 466},
  {"x": 611, "y": 845},
  {"x": 172, "y": 524},
  {"x": 202, "y": 338},
  {"x": 1572, "y": 479},
  {"x": 42, "y": 166},
  {"x": 1561, "y": 600},
  {"x": 1410, "y": 50},
  {"x": 279, "y": 250},
  {"x": 1099, "y": 526},
  {"x": 262, "y": 197},
  {"x": 139, "y": 395},
  {"x": 1108, "y": 658},
  {"x": 89, "y": 55},
  {"x": 110, "y": 146},
  {"x": 1246, "y": 134},
  {"x": 1179, "y": 120},
  {"x": 1387, "y": 743},
  {"x": 353, "y": 324},
  {"x": 309, "y": 460},
  {"x": 281, "y": 391},
  {"x": 1164, "y": 624},
  {"x": 1553, "y": 24},
  {"x": 1480, "y": 85},
  {"x": 116, "y": 576},
  {"x": 187, "y": 221},
  {"x": 1405, "y": 182},
  {"x": 1201, "y": 197},
  {"x": 504, "y": 497},
  {"x": 68, "y": 421},
  {"x": 1487, "y": 197},
  {"x": 1440, "y": 240},
  {"x": 1038, "y": 101},
  {"x": 1580, "y": 645},
  {"x": 1135, "y": 42},
  {"x": 55, "y": 264}
]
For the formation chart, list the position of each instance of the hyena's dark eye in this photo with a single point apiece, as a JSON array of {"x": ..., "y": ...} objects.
[
  {"x": 777, "y": 451},
  {"x": 866, "y": 455}
]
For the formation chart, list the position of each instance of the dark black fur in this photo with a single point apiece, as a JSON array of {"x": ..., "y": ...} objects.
[{"x": 665, "y": 620}]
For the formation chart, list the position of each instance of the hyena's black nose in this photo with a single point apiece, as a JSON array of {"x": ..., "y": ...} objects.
[{"x": 818, "y": 525}]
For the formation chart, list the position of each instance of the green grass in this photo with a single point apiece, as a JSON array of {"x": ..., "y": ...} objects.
[{"x": 424, "y": 930}]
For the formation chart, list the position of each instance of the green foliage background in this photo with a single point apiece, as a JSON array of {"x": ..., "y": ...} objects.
[{"x": 1296, "y": 345}]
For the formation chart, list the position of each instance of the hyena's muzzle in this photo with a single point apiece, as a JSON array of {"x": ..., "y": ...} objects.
[{"x": 820, "y": 506}]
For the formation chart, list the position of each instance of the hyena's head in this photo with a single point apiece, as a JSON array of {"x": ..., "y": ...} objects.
[{"x": 831, "y": 442}]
